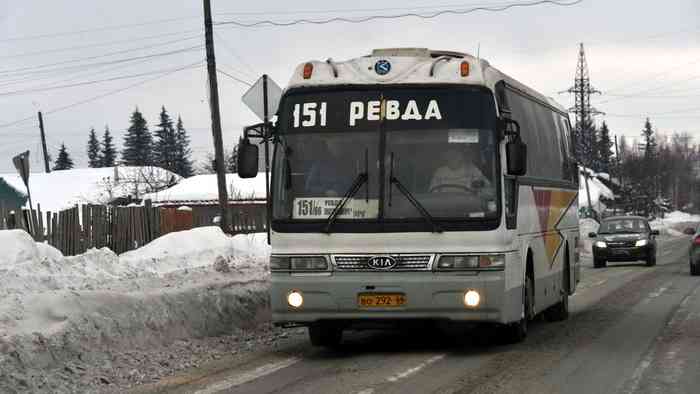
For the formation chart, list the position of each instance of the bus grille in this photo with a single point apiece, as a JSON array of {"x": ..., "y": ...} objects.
[{"x": 404, "y": 262}]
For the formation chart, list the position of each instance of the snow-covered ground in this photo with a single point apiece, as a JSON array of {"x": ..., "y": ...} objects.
[
  {"x": 80, "y": 310},
  {"x": 675, "y": 222}
]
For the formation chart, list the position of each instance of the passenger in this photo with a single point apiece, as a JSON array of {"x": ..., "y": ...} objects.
[{"x": 458, "y": 174}]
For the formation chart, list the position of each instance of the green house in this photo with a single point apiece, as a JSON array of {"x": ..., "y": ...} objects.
[{"x": 11, "y": 198}]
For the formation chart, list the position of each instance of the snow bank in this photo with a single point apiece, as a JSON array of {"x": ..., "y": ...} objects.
[
  {"x": 674, "y": 223},
  {"x": 60, "y": 311},
  {"x": 205, "y": 188},
  {"x": 63, "y": 189},
  {"x": 586, "y": 226}
]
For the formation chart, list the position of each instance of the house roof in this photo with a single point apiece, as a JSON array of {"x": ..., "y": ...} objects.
[
  {"x": 204, "y": 189},
  {"x": 62, "y": 189}
]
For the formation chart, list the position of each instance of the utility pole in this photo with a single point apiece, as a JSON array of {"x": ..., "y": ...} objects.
[
  {"x": 43, "y": 143},
  {"x": 216, "y": 117}
]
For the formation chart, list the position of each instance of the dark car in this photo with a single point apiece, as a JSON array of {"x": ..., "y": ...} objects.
[
  {"x": 695, "y": 252},
  {"x": 624, "y": 238}
]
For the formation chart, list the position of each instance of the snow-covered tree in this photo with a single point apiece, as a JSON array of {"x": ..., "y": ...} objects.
[
  {"x": 183, "y": 162},
  {"x": 165, "y": 145},
  {"x": 93, "y": 150},
  {"x": 108, "y": 155},
  {"x": 63, "y": 162},
  {"x": 138, "y": 142}
]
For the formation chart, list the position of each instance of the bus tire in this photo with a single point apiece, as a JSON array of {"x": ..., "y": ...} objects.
[
  {"x": 325, "y": 334},
  {"x": 560, "y": 310},
  {"x": 517, "y": 332}
]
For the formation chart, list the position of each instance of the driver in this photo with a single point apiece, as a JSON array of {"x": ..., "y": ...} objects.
[{"x": 457, "y": 174}]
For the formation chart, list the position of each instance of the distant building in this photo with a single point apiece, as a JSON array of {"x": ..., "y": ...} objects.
[
  {"x": 11, "y": 198},
  {"x": 201, "y": 193}
]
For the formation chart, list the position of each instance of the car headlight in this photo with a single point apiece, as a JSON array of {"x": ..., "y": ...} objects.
[
  {"x": 298, "y": 263},
  {"x": 600, "y": 244},
  {"x": 642, "y": 242},
  {"x": 469, "y": 262}
]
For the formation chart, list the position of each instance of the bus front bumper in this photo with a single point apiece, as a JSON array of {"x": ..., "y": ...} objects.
[{"x": 428, "y": 296}]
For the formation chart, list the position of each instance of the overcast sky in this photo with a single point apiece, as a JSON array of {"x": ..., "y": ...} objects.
[{"x": 643, "y": 55}]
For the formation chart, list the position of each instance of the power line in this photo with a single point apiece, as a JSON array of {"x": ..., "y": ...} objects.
[
  {"x": 397, "y": 16},
  {"x": 99, "y": 56},
  {"x": 234, "y": 53},
  {"x": 96, "y": 29},
  {"x": 34, "y": 90},
  {"x": 348, "y": 10},
  {"x": 109, "y": 93},
  {"x": 96, "y": 45},
  {"x": 657, "y": 89},
  {"x": 234, "y": 78},
  {"x": 117, "y": 61}
]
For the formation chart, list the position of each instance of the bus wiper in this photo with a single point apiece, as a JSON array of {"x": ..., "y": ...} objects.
[
  {"x": 424, "y": 212},
  {"x": 360, "y": 180}
]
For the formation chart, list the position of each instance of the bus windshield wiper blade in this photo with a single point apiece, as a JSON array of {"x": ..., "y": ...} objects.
[
  {"x": 426, "y": 215},
  {"x": 356, "y": 185}
]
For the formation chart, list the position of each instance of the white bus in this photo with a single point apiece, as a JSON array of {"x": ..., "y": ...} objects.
[{"x": 414, "y": 184}]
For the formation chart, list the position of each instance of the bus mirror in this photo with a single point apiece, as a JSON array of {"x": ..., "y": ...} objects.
[
  {"x": 516, "y": 155},
  {"x": 247, "y": 160}
]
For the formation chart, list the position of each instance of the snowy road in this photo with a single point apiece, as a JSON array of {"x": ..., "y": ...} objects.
[{"x": 632, "y": 329}]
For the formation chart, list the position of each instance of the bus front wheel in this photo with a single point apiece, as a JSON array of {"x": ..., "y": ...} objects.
[
  {"x": 325, "y": 334},
  {"x": 517, "y": 331}
]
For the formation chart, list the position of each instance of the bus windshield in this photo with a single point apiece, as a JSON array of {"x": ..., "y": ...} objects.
[{"x": 431, "y": 149}]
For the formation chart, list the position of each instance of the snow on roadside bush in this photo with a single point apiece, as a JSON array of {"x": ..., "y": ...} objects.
[
  {"x": 674, "y": 223},
  {"x": 586, "y": 226}
]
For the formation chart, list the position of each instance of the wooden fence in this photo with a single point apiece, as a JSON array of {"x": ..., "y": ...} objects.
[{"x": 75, "y": 230}]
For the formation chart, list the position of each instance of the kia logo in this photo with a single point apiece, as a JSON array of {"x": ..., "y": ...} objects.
[{"x": 381, "y": 262}]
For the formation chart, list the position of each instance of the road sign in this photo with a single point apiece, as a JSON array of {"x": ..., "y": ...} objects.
[
  {"x": 21, "y": 163},
  {"x": 254, "y": 98}
]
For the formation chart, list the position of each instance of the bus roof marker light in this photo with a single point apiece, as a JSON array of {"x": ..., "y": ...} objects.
[
  {"x": 308, "y": 70},
  {"x": 464, "y": 69}
]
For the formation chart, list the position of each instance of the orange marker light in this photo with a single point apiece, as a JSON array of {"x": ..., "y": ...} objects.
[
  {"x": 464, "y": 69},
  {"x": 308, "y": 70}
]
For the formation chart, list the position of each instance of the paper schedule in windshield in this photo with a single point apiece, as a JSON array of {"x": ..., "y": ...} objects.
[{"x": 322, "y": 207}]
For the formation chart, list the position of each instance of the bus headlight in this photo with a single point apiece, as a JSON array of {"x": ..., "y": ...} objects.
[
  {"x": 641, "y": 242},
  {"x": 469, "y": 262},
  {"x": 472, "y": 298},
  {"x": 298, "y": 263},
  {"x": 295, "y": 299}
]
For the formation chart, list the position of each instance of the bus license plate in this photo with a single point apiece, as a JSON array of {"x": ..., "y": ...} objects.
[{"x": 381, "y": 300}]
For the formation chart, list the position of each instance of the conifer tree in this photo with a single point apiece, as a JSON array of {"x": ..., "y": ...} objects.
[
  {"x": 63, "y": 162},
  {"x": 108, "y": 155},
  {"x": 138, "y": 142},
  {"x": 93, "y": 150},
  {"x": 605, "y": 145},
  {"x": 183, "y": 162},
  {"x": 165, "y": 146}
]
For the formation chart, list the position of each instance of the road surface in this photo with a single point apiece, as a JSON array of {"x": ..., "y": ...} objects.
[{"x": 632, "y": 329}]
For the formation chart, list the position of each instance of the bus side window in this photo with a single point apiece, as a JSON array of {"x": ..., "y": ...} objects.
[{"x": 511, "y": 202}]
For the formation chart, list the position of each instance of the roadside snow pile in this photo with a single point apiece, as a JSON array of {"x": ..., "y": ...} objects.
[
  {"x": 675, "y": 222},
  {"x": 587, "y": 226},
  {"x": 60, "y": 311}
]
